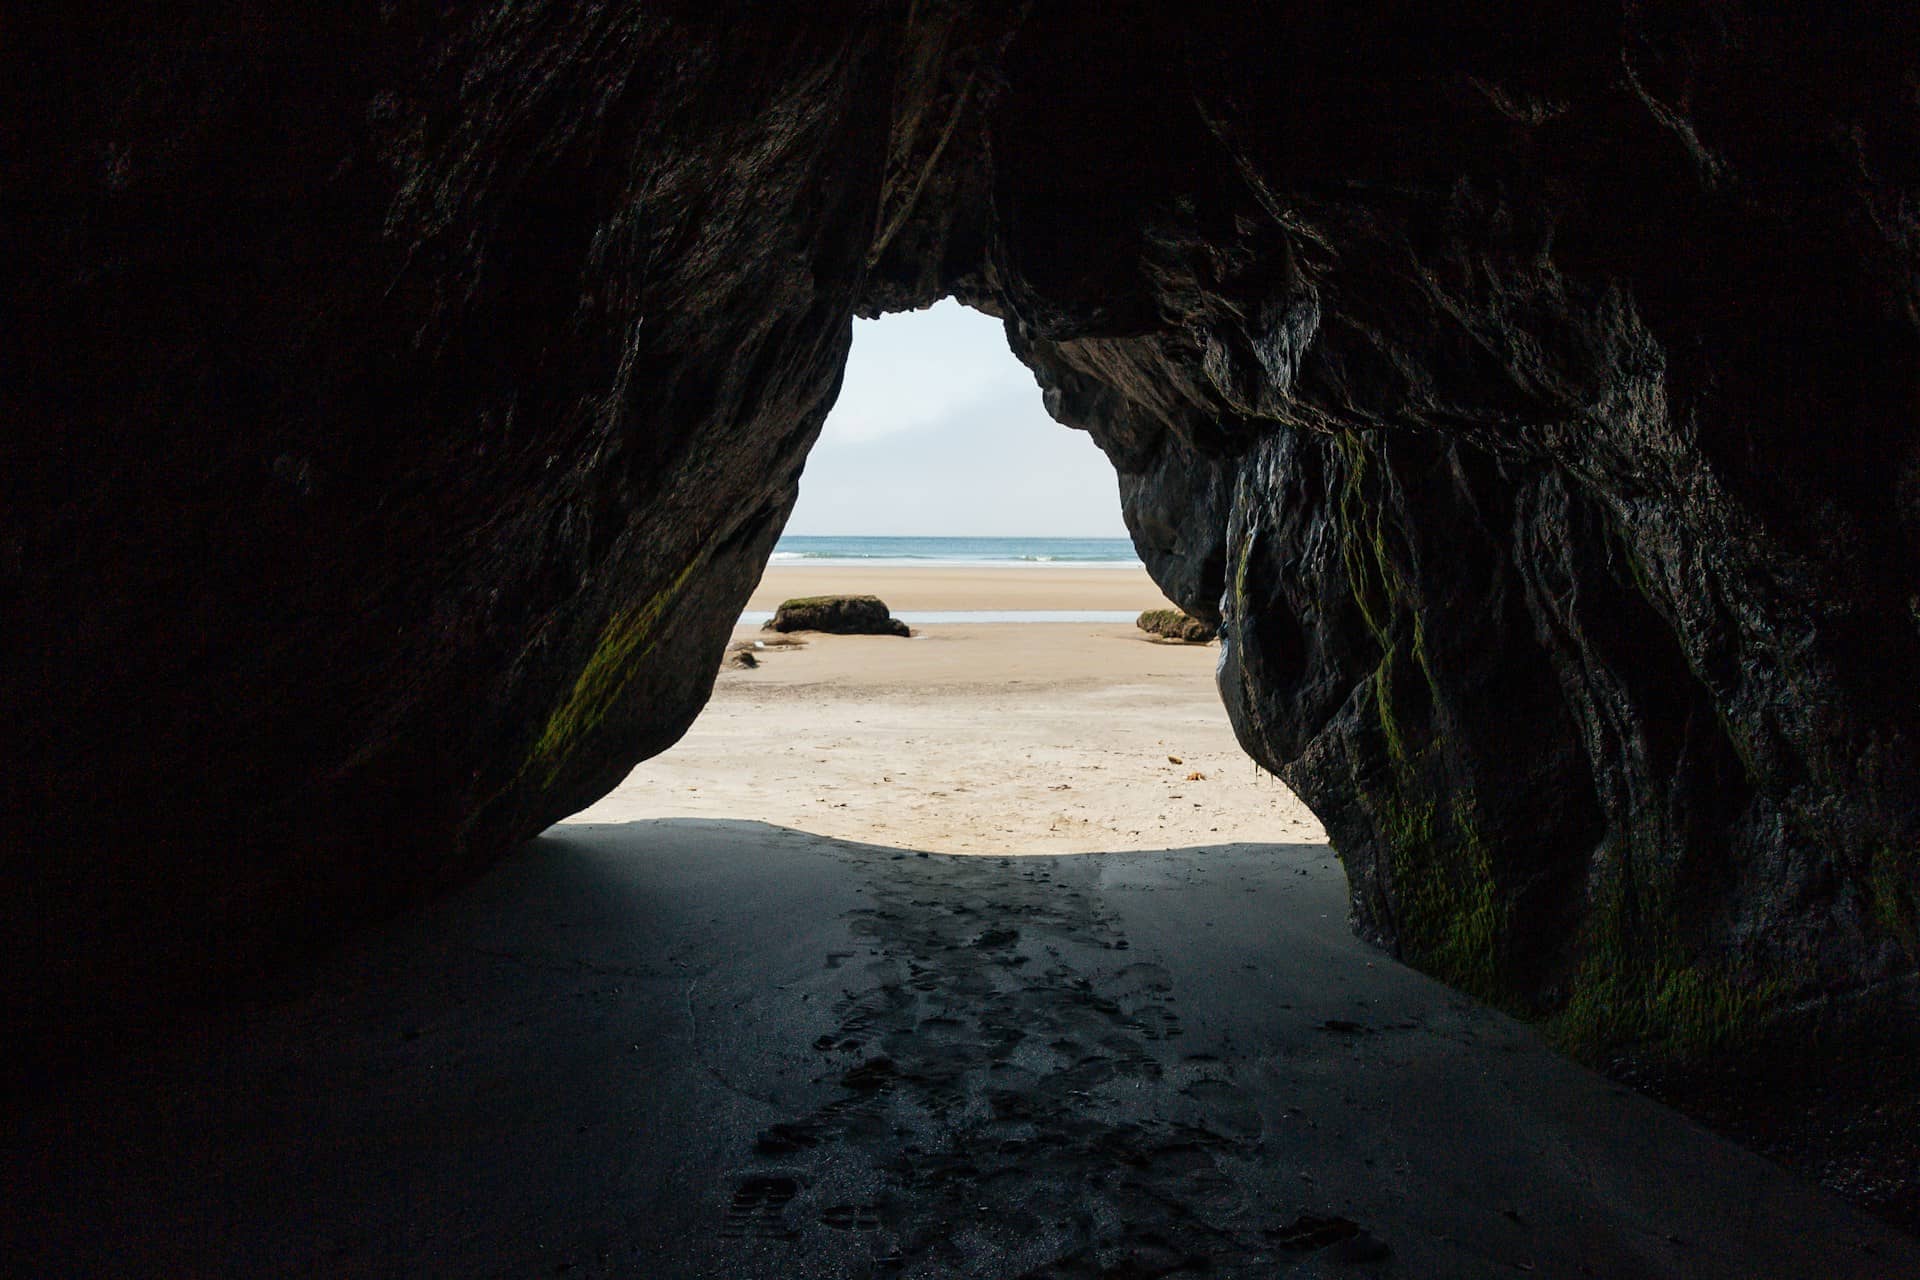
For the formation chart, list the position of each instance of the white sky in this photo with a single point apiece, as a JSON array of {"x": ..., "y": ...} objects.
[{"x": 939, "y": 432}]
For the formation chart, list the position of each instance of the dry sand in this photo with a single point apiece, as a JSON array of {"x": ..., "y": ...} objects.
[
  {"x": 1010, "y": 738},
  {"x": 1001, "y": 739}
]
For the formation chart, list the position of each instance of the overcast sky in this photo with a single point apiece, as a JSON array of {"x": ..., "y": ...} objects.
[{"x": 939, "y": 431}]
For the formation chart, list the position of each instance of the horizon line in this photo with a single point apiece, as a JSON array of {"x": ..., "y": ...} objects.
[{"x": 1080, "y": 537}]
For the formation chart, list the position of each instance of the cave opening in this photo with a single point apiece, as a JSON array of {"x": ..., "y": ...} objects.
[
  {"x": 410, "y": 397},
  {"x": 939, "y": 431},
  {"x": 1029, "y": 710}
]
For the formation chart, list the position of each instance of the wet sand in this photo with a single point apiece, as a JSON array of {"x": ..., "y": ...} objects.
[
  {"x": 698, "y": 1049},
  {"x": 1039, "y": 586}
]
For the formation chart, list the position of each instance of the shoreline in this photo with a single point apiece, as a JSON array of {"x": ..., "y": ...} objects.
[
  {"x": 968, "y": 617},
  {"x": 964, "y": 588},
  {"x": 928, "y": 562}
]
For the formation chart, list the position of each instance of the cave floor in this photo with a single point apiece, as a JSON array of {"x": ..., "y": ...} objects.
[{"x": 692, "y": 1048}]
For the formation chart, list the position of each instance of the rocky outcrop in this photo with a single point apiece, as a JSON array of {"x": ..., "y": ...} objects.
[
  {"x": 1172, "y": 624},
  {"x": 404, "y": 402},
  {"x": 839, "y": 615}
]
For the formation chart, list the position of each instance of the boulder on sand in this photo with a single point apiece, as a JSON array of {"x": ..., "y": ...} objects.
[
  {"x": 1172, "y": 624},
  {"x": 840, "y": 615}
]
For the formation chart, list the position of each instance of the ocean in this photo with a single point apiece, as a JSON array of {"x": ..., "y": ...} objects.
[
  {"x": 1038, "y": 554},
  {"x": 1077, "y": 553},
  {"x": 929, "y": 617}
]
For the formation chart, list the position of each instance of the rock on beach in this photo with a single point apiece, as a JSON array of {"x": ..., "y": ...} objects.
[
  {"x": 1173, "y": 624},
  {"x": 839, "y": 615}
]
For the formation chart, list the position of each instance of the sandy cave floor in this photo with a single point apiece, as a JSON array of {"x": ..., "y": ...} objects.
[{"x": 750, "y": 1017}]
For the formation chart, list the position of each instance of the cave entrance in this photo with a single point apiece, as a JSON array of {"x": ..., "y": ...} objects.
[{"x": 1027, "y": 713}]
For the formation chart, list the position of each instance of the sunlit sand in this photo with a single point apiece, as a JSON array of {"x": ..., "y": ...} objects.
[{"x": 973, "y": 738}]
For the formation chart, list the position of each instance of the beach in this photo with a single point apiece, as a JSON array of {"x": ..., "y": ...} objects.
[
  {"x": 983, "y": 738},
  {"x": 1162, "y": 1048},
  {"x": 908, "y": 588},
  {"x": 750, "y": 1017}
]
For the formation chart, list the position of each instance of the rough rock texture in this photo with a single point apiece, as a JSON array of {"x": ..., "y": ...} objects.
[
  {"x": 1172, "y": 624},
  {"x": 840, "y": 615},
  {"x": 403, "y": 404},
  {"x": 403, "y": 400}
]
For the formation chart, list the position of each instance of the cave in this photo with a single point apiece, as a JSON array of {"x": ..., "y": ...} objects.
[{"x": 403, "y": 402}]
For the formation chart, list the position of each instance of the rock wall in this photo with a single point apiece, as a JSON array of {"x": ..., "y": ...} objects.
[
  {"x": 1532, "y": 396},
  {"x": 406, "y": 401},
  {"x": 403, "y": 404}
]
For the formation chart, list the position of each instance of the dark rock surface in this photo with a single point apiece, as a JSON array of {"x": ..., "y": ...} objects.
[
  {"x": 1172, "y": 624},
  {"x": 402, "y": 402},
  {"x": 838, "y": 615}
]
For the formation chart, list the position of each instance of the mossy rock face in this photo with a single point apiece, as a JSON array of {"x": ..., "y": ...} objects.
[
  {"x": 839, "y": 615},
  {"x": 1172, "y": 624}
]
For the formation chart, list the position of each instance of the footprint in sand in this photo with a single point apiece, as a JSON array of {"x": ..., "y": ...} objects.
[
  {"x": 758, "y": 1209},
  {"x": 851, "y": 1217},
  {"x": 1155, "y": 1022},
  {"x": 1225, "y": 1107}
]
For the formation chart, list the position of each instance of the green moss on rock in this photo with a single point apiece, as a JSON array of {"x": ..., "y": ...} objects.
[
  {"x": 1448, "y": 910},
  {"x": 1893, "y": 897},
  {"x": 837, "y": 615},
  {"x": 1639, "y": 986},
  {"x": 1383, "y": 708},
  {"x": 1174, "y": 624},
  {"x": 628, "y": 637}
]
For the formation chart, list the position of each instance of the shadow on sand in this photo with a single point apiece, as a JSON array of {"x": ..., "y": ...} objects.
[{"x": 726, "y": 1049}]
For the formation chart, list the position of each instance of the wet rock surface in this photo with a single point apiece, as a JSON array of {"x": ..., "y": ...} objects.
[{"x": 404, "y": 402}]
